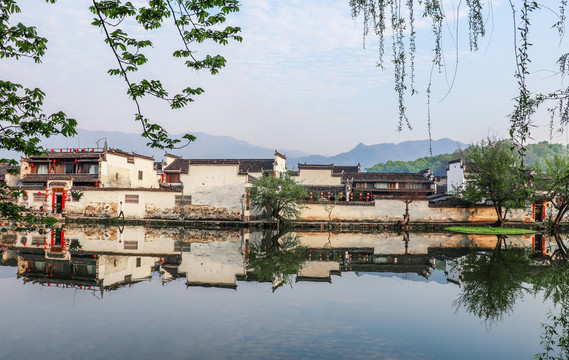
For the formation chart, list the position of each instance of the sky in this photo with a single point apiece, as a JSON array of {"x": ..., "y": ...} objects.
[{"x": 300, "y": 80}]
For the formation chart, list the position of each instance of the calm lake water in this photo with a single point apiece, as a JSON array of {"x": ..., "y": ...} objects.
[{"x": 100, "y": 293}]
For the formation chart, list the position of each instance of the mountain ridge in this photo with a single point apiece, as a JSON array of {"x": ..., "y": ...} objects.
[{"x": 224, "y": 146}]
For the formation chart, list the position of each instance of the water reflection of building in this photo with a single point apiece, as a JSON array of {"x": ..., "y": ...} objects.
[
  {"x": 108, "y": 258},
  {"x": 330, "y": 254}
]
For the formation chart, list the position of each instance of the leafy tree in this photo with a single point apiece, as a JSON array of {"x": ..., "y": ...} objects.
[
  {"x": 494, "y": 176},
  {"x": 277, "y": 197},
  {"x": 553, "y": 182},
  {"x": 24, "y": 123}
]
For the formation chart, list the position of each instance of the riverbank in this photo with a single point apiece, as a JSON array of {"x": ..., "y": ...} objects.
[{"x": 329, "y": 226}]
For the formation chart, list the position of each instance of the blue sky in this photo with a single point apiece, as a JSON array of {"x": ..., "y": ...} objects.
[{"x": 300, "y": 80}]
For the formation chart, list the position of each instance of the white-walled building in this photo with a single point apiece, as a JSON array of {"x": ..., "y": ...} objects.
[
  {"x": 220, "y": 183},
  {"x": 93, "y": 182},
  {"x": 455, "y": 176}
]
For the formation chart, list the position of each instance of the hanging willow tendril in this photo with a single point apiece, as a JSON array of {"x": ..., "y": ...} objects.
[{"x": 404, "y": 47}]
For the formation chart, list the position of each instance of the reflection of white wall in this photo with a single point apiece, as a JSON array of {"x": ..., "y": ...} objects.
[
  {"x": 107, "y": 240},
  {"x": 453, "y": 271},
  {"x": 392, "y": 244},
  {"x": 114, "y": 269},
  {"x": 215, "y": 263},
  {"x": 319, "y": 269}
]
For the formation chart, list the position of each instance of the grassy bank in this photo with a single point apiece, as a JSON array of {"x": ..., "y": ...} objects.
[{"x": 483, "y": 230}]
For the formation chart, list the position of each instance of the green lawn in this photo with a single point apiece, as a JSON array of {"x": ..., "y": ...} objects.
[{"x": 488, "y": 230}]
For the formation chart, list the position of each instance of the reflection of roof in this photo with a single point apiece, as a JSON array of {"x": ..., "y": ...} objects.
[{"x": 221, "y": 286}]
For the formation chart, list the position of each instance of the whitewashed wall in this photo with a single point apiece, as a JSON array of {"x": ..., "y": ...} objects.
[
  {"x": 393, "y": 210},
  {"x": 455, "y": 177},
  {"x": 220, "y": 186},
  {"x": 116, "y": 171},
  {"x": 318, "y": 177}
]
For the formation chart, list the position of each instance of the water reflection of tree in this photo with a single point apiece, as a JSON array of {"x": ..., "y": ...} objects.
[
  {"x": 275, "y": 257},
  {"x": 493, "y": 281},
  {"x": 553, "y": 280}
]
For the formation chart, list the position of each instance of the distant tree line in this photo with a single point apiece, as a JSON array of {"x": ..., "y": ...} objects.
[{"x": 535, "y": 155}]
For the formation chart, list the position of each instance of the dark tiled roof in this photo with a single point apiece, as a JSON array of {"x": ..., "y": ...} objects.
[
  {"x": 125, "y": 154},
  {"x": 65, "y": 155},
  {"x": 178, "y": 165},
  {"x": 3, "y": 168},
  {"x": 256, "y": 165},
  {"x": 455, "y": 161},
  {"x": 392, "y": 177},
  {"x": 279, "y": 154},
  {"x": 336, "y": 170},
  {"x": 315, "y": 166},
  {"x": 57, "y": 183},
  {"x": 245, "y": 165},
  {"x": 214, "y": 161},
  {"x": 346, "y": 169},
  {"x": 35, "y": 178}
]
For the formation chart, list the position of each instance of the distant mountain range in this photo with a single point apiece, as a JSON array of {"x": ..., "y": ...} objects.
[{"x": 212, "y": 146}]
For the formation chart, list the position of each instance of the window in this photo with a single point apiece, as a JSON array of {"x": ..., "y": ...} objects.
[
  {"x": 139, "y": 175},
  {"x": 93, "y": 168},
  {"x": 131, "y": 199},
  {"x": 360, "y": 185},
  {"x": 42, "y": 169},
  {"x": 414, "y": 186},
  {"x": 172, "y": 178},
  {"x": 131, "y": 245},
  {"x": 39, "y": 197},
  {"x": 381, "y": 185},
  {"x": 138, "y": 262},
  {"x": 392, "y": 186},
  {"x": 186, "y": 199},
  {"x": 68, "y": 169}
]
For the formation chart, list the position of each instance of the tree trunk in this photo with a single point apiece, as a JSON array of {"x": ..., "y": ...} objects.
[
  {"x": 500, "y": 221},
  {"x": 560, "y": 214}
]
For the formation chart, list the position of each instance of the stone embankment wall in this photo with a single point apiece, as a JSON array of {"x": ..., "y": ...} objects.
[
  {"x": 150, "y": 205},
  {"x": 105, "y": 203},
  {"x": 192, "y": 212},
  {"x": 393, "y": 210},
  {"x": 162, "y": 205}
]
